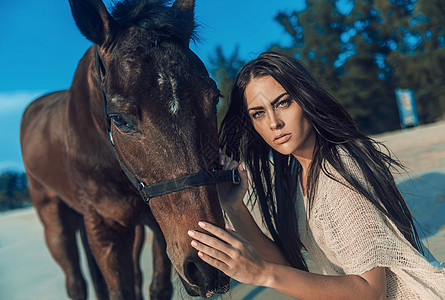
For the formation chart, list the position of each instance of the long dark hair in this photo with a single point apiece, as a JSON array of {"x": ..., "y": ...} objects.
[{"x": 274, "y": 176}]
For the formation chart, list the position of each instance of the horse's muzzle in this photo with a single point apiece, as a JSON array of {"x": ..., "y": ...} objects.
[{"x": 203, "y": 279}]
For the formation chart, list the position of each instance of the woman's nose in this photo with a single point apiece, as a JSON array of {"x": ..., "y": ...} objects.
[{"x": 275, "y": 122}]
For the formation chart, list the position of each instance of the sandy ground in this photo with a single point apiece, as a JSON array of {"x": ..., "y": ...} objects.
[
  {"x": 422, "y": 151},
  {"x": 28, "y": 272}
]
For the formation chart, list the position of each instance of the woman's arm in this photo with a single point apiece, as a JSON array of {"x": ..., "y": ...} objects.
[
  {"x": 305, "y": 285},
  {"x": 238, "y": 258}
]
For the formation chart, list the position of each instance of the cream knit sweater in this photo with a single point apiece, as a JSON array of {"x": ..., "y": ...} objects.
[{"x": 346, "y": 234}]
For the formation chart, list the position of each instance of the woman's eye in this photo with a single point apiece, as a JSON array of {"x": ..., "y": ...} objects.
[
  {"x": 284, "y": 103},
  {"x": 257, "y": 114}
]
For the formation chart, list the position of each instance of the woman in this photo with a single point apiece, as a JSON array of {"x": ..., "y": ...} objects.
[{"x": 322, "y": 186}]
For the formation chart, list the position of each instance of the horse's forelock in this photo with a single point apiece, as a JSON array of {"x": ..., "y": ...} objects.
[{"x": 153, "y": 16}]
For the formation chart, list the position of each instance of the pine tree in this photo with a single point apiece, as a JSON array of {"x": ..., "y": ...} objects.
[
  {"x": 367, "y": 88},
  {"x": 316, "y": 39},
  {"x": 13, "y": 190},
  {"x": 418, "y": 62},
  {"x": 362, "y": 55}
]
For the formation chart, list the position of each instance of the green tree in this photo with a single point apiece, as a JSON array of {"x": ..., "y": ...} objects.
[
  {"x": 418, "y": 64},
  {"x": 341, "y": 50},
  {"x": 315, "y": 32},
  {"x": 13, "y": 191},
  {"x": 361, "y": 55},
  {"x": 372, "y": 50},
  {"x": 367, "y": 89}
]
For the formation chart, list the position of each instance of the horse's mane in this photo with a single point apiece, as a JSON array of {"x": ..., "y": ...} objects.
[{"x": 154, "y": 16}]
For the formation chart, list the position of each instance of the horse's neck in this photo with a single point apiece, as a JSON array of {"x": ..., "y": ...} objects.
[
  {"x": 85, "y": 95},
  {"x": 86, "y": 120}
]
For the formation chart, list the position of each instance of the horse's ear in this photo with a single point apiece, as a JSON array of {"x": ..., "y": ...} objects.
[
  {"x": 93, "y": 20},
  {"x": 186, "y": 7}
]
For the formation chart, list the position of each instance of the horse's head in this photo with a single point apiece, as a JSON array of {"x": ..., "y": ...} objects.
[{"x": 161, "y": 106}]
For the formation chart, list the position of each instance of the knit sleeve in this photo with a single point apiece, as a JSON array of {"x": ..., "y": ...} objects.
[{"x": 354, "y": 234}]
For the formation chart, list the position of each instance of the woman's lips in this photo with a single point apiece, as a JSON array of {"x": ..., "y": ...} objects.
[{"x": 282, "y": 138}]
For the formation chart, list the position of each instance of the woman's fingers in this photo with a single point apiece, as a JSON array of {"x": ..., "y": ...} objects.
[
  {"x": 212, "y": 252},
  {"x": 214, "y": 262},
  {"x": 227, "y": 243},
  {"x": 230, "y": 253},
  {"x": 219, "y": 233},
  {"x": 234, "y": 233},
  {"x": 209, "y": 241},
  {"x": 227, "y": 162}
]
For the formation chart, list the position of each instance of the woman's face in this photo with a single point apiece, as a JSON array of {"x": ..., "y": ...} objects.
[{"x": 278, "y": 118}]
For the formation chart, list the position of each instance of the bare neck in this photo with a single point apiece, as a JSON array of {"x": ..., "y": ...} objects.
[{"x": 304, "y": 155}]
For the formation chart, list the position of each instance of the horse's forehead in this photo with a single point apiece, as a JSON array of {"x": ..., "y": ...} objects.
[
  {"x": 168, "y": 80},
  {"x": 150, "y": 75},
  {"x": 148, "y": 60}
]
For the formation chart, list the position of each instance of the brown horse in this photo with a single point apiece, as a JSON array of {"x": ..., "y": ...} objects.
[{"x": 141, "y": 110}]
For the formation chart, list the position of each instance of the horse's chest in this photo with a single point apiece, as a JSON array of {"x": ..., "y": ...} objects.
[{"x": 119, "y": 204}]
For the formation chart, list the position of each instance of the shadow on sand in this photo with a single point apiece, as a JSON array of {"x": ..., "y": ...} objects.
[{"x": 425, "y": 197}]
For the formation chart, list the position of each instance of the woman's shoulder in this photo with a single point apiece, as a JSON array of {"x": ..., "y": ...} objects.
[
  {"x": 331, "y": 175},
  {"x": 334, "y": 190},
  {"x": 339, "y": 206}
]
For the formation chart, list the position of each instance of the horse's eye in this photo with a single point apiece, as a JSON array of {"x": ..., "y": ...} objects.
[
  {"x": 216, "y": 103},
  {"x": 121, "y": 123}
]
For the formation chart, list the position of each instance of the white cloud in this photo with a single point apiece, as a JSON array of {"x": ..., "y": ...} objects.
[
  {"x": 12, "y": 105},
  {"x": 14, "y": 166},
  {"x": 16, "y": 101}
]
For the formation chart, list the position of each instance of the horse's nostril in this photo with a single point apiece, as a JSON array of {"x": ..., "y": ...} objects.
[
  {"x": 192, "y": 273},
  {"x": 206, "y": 279}
]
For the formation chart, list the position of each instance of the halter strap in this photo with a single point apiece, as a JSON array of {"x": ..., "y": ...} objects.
[{"x": 188, "y": 181}]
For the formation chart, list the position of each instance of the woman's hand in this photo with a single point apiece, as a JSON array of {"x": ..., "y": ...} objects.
[
  {"x": 231, "y": 254},
  {"x": 230, "y": 195}
]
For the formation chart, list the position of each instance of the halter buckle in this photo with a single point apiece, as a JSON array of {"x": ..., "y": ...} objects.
[
  {"x": 141, "y": 188},
  {"x": 236, "y": 179}
]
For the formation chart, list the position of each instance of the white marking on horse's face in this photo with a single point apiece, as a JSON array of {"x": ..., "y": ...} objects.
[
  {"x": 174, "y": 106},
  {"x": 161, "y": 79},
  {"x": 173, "y": 103}
]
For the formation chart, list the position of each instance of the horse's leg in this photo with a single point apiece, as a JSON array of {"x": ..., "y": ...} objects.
[
  {"x": 60, "y": 223},
  {"x": 97, "y": 278},
  {"x": 112, "y": 246},
  {"x": 161, "y": 286},
  {"x": 138, "y": 245}
]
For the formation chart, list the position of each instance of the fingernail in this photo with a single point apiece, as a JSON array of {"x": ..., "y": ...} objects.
[
  {"x": 194, "y": 243},
  {"x": 222, "y": 162},
  {"x": 201, "y": 224},
  {"x": 241, "y": 167},
  {"x": 191, "y": 233},
  {"x": 200, "y": 254}
]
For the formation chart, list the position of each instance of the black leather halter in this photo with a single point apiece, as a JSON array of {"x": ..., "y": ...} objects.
[{"x": 177, "y": 184}]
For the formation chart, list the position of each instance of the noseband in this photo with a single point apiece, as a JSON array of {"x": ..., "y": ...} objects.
[{"x": 177, "y": 184}]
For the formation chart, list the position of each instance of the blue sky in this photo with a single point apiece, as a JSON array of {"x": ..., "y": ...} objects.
[{"x": 41, "y": 46}]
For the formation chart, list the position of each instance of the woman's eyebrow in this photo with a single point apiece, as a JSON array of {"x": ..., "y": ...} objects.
[{"x": 272, "y": 103}]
